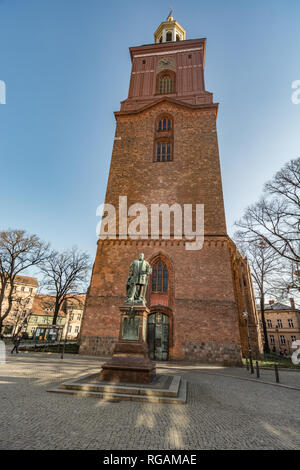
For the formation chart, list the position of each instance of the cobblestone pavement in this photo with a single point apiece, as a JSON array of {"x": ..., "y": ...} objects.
[{"x": 222, "y": 412}]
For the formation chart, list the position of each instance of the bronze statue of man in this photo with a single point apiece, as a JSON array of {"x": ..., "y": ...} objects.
[{"x": 137, "y": 281}]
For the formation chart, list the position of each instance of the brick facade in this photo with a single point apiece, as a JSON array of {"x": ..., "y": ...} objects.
[{"x": 202, "y": 301}]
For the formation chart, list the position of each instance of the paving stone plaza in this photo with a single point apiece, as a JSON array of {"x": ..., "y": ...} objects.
[{"x": 223, "y": 410}]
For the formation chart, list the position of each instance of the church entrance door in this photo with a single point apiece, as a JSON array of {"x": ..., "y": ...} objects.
[{"x": 158, "y": 336}]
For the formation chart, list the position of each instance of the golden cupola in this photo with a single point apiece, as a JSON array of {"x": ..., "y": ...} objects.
[{"x": 169, "y": 31}]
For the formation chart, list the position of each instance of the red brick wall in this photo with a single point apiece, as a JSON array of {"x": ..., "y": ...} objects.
[
  {"x": 193, "y": 177},
  {"x": 204, "y": 314}
]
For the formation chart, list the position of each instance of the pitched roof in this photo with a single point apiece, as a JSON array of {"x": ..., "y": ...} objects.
[
  {"x": 76, "y": 301},
  {"x": 278, "y": 306},
  {"x": 26, "y": 281},
  {"x": 43, "y": 302}
]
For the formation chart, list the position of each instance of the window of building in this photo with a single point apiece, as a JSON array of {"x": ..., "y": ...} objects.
[
  {"x": 31, "y": 290},
  {"x": 166, "y": 84},
  {"x": 78, "y": 317},
  {"x": 163, "y": 142},
  {"x": 160, "y": 277},
  {"x": 291, "y": 324},
  {"x": 8, "y": 329},
  {"x": 282, "y": 339},
  {"x": 163, "y": 152},
  {"x": 269, "y": 323},
  {"x": 279, "y": 323},
  {"x": 70, "y": 329},
  {"x": 272, "y": 339},
  {"x": 164, "y": 124},
  {"x": 169, "y": 36},
  {"x": 71, "y": 316},
  {"x": 293, "y": 338},
  {"x": 177, "y": 37},
  {"x": 76, "y": 329}
]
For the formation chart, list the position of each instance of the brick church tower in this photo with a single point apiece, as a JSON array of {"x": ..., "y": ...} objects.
[{"x": 166, "y": 151}]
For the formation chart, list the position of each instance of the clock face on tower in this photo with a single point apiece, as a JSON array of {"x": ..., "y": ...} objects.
[{"x": 166, "y": 63}]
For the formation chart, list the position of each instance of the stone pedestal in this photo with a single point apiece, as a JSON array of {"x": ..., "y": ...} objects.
[{"x": 130, "y": 362}]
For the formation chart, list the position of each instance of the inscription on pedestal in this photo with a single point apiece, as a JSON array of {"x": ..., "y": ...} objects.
[{"x": 131, "y": 328}]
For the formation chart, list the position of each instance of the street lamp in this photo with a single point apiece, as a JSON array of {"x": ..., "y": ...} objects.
[
  {"x": 246, "y": 317},
  {"x": 65, "y": 339},
  {"x": 277, "y": 331}
]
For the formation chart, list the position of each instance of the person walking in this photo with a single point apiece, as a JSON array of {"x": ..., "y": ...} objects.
[{"x": 16, "y": 341}]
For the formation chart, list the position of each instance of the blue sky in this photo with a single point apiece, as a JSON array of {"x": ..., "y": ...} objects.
[{"x": 66, "y": 66}]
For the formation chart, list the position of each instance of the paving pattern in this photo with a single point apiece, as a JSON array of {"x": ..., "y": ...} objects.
[{"x": 222, "y": 412}]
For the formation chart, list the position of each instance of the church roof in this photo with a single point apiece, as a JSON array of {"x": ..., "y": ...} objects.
[{"x": 278, "y": 306}]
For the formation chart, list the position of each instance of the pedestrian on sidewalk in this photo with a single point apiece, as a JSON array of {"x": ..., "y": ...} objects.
[{"x": 16, "y": 341}]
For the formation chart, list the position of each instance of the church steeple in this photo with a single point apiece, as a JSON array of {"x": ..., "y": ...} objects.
[{"x": 169, "y": 30}]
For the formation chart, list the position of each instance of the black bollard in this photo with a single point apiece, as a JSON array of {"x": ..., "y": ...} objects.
[
  {"x": 257, "y": 369},
  {"x": 276, "y": 373},
  {"x": 251, "y": 365}
]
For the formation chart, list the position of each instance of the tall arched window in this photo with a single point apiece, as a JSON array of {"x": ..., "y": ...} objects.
[
  {"x": 163, "y": 142},
  {"x": 160, "y": 277},
  {"x": 166, "y": 84}
]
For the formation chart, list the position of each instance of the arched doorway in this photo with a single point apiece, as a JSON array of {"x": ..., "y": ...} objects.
[{"x": 158, "y": 336}]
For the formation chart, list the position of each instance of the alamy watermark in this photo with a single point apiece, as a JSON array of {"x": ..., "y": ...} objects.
[
  {"x": 296, "y": 93},
  {"x": 2, "y": 92},
  {"x": 161, "y": 222}
]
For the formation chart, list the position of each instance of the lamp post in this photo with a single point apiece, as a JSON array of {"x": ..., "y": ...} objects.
[
  {"x": 276, "y": 328},
  {"x": 246, "y": 317},
  {"x": 65, "y": 339}
]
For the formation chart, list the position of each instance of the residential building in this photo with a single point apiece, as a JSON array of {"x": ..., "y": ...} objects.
[
  {"x": 24, "y": 292},
  {"x": 283, "y": 325}
]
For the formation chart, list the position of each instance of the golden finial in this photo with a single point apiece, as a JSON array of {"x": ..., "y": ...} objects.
[{"x": 170, "y": 17}]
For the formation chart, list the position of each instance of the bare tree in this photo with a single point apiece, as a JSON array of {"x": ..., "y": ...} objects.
[
  {"x": 18, "y": 252},
  {"x": 263, "y": 261},
  {"x": 65, "y": 275},
  {"x": 289, "y": 281},
  {"x": 276, "y": 217}
]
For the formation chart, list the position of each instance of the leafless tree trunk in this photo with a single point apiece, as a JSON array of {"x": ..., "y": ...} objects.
[{"x": 18, "y": 252}]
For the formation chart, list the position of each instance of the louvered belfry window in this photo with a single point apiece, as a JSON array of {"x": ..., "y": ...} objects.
[{"x": 166, "y": 84}]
